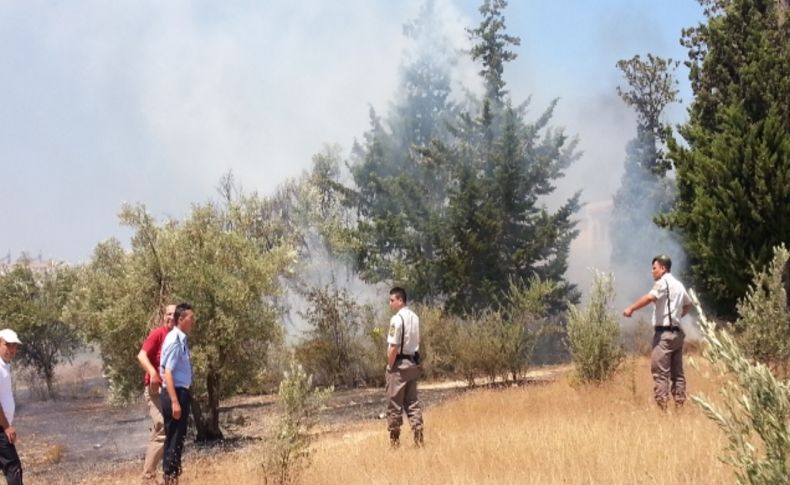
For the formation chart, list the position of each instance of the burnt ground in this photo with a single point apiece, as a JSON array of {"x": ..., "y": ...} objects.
[{"x": 66, "y": 440}]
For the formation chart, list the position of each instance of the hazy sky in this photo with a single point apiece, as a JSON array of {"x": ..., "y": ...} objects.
[{"x": 152, "y": 101}]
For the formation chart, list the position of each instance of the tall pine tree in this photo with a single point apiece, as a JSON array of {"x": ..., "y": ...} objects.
[
  {"x": 453, "y": 209},
  {"x": 398, "y": 193},
  {"x": 645, "y": 190},
  {"x": 733, "y": 171},
  {"x": 501, "y": 167}
]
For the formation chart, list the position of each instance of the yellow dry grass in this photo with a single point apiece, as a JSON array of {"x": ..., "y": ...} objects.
[{"x": 542, "y": 434}]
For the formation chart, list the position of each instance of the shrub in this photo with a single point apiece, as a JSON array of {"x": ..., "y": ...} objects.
[
  {"x": 477, "y": 347},
  {"x": 437, "y": 335},
  {"x": 526, "y": 321},
  {"x": 754, "y": 413},
  {"x": 594, "y": 334},
  {"x": 299, "y": 405},
  {"x": 764, "y": 321},
  {"x": 340, "y": 345}
]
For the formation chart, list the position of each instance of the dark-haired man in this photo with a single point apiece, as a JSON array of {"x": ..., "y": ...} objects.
[
  {"x": 403, "y": 369},
  {"x": 672, "y": 302},
  {"x": 149, "y": 357},
  {"x": 176, "y": 369}
]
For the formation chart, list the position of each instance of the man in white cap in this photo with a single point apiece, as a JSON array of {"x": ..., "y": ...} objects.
[{"x": 9, "y": 459}]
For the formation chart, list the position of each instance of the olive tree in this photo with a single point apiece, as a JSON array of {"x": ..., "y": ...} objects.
[{"x": 219, "y": 267}]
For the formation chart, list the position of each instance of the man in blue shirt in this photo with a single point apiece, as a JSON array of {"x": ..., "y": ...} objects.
[{"x": 176, "y": 370}]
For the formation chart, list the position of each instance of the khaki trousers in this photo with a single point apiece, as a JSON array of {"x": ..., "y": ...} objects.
[
  {"x": 156, "y": 441},
  {"x": 401, "y": 390},
  {"x": 666, "y": 365}
]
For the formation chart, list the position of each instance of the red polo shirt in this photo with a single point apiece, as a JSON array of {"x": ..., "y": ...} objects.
[{"x": 153, "y": 348}]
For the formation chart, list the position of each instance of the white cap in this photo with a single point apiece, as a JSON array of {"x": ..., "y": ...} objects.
[{"x": 9, "y": 336}]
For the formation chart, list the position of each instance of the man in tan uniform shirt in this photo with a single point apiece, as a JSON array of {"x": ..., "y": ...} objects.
[
  {"x": 403, "y": 369},
  {"x": 672, "y": 302}
]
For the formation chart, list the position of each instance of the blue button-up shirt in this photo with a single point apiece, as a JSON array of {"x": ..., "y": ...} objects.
[{"x": 175, "y": 357}]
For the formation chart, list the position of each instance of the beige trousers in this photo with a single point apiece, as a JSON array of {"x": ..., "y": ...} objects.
[
  {"x": 666, "y": 365},
  {"x": 156, "y": 441},
  {"x": 401, "y": 390}
]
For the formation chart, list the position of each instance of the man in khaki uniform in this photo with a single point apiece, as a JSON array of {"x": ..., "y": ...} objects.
[
  {"x": 672, "y": 302},
  {"x": 403, "y": 369}
]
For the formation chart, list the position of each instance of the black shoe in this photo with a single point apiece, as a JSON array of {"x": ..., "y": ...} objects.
[{"x": 418, "y": 439}]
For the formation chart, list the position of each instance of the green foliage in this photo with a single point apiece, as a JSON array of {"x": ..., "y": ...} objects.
[
  {"x": 738, "y": 135},
  {"x": 480, "y": 345},
  {"x": 437, "y": 336},
  {"x": 222, "y": 261},
  {"x": 651, "y": 88},
  {"x": 455, "y": 219},
  {"x": 340, "y": 348},
  {"x": 228, "y": 279},
  {"x": 32, "y": 303},
  {"x": 645, "y": 190},
  {"x": 755, "y": 411},
  {"x": 398, "y": 195},
  {"x": 495, "y": 344},
  {"x": 113, "y": 305},
  {"x": 299, "y": 405},
  {"x": 594, "y": 334},
  {"x": 526, "y": 308},
  {"x": 764, "y": 322},
  {"x": 491, "y": 48}
]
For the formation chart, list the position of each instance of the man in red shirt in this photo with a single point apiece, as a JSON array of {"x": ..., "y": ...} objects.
[{"x": 149, "y": 360}]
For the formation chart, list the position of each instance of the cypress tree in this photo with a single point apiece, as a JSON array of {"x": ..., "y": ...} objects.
[{"x": 733, "y": 171}]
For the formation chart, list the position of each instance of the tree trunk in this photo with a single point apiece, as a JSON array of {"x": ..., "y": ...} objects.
[
  {"x": 49, "y": 379},
  {"x": 206, "y": 415},
  {"x": 203, "y": 425}
]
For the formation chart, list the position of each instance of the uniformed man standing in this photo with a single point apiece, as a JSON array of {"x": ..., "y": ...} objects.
[
  {"x": 671, "y": 303},
  {"x": 403, "y": 369}
]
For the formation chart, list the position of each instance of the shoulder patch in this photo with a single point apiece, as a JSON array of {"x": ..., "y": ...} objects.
[{"x": 393, "y": 330}]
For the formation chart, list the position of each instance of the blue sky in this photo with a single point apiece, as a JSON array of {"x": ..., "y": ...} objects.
[{"x": 150, "y": 101}]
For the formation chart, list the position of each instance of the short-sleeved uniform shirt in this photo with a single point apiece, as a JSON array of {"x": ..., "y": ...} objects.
[
  {"x": 175, "y": 356},
  {"x": 405, "y": 321},
  {"x": 6, "y": 392},
  {"x": 669, "y": 289},
  {"x": 153, "y": 348}
]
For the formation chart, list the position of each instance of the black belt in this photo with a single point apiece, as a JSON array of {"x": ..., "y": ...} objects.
[
  {"x": 405, "y": 356},
  {"x": 667, "y": 329}
]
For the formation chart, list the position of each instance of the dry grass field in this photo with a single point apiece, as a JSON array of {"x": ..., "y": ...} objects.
[{"x": 551, "y": 433}]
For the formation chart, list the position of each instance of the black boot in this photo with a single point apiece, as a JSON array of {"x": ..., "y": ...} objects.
[{"x": 418, "y": 441}]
